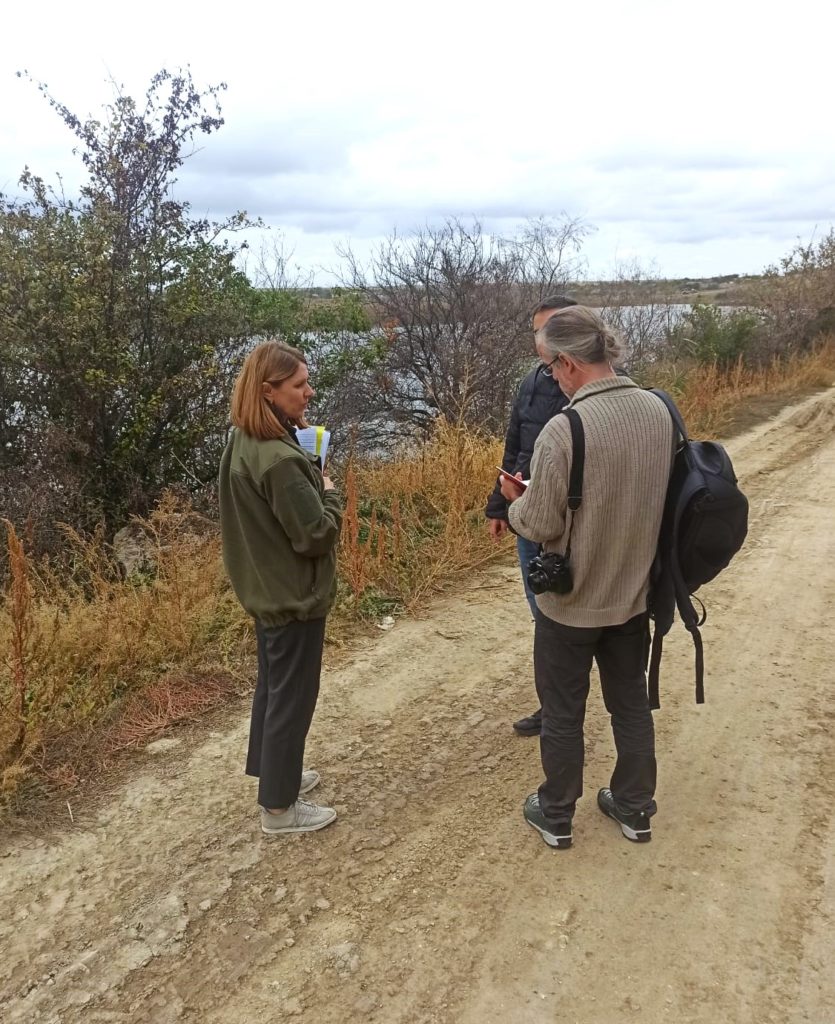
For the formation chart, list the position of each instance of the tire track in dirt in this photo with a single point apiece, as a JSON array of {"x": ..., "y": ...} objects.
[{"x": 431, "y": 900}]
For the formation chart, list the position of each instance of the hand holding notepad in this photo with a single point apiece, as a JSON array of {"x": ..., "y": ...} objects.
[{"x": 314, "y": 440}]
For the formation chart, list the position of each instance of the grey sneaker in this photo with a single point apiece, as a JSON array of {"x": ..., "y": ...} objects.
[
  {"x": 310, "y": 780},
  {"x": 303, "y": 816}
]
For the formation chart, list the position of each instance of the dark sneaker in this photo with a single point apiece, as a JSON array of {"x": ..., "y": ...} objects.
[
  {"x": 555, "y": 833},
  {"x": 634, "y": 824},
  {"x": 530, "y": 726}
]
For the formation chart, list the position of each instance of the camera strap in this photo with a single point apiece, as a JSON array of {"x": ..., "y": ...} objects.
[{"x": 578, "y": 462}]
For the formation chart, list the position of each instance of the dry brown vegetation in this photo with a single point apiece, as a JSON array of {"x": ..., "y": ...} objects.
[
  {"x": 94, "y": 664},
  {"x": 710, "y": 398}
]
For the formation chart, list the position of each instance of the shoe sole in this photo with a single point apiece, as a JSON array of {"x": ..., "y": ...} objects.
[
  {"x": 555, "y": 842},
  {"x": 290, "y": 829},
  {"x": 527, "y": 732},
  {"x": 635, "y": 835}
]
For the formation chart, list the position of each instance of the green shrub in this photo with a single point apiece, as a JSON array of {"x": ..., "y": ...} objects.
[{"x": 711, "y": 335}]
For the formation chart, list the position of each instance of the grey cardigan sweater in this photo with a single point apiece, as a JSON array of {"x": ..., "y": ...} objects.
[{"x": 629, "y": 449}]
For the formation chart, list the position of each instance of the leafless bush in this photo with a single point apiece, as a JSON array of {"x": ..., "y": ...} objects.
[
  {"x": 453, "y": 306},
  {"x": 796, "y": 297},
  {"x": 640, "y": 304}
]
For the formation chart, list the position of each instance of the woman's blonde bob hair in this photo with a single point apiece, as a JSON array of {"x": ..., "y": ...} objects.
[{"x": 272, "y": 361}]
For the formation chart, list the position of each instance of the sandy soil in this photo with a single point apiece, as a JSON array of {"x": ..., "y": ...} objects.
[{"x": 431, "y": 900}]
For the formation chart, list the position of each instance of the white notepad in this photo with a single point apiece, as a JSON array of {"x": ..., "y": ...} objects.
[{"x": 314, "y": 440}]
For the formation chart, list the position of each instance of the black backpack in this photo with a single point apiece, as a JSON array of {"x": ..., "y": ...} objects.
[{"x": 704, "y": 525}]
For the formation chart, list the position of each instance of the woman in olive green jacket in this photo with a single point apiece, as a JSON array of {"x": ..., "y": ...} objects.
[{"x": 280, "y": 518}]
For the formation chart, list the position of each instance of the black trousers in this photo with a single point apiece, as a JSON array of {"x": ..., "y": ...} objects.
[
  {"x": 289, "y": 667},
  {"x": 563, "y": 658}
]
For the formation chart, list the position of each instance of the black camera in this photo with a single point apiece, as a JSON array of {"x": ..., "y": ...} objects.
[{"x": 550, "y": 572}]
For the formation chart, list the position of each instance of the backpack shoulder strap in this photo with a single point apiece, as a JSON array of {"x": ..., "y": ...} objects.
[
  {"x": 673, "y": 410},
  {"x": 578, "y": 462},
  {"x": 654, "y": 668},
  {"x": 578, "y": 458},
  {"x": 665, "y": 591}
]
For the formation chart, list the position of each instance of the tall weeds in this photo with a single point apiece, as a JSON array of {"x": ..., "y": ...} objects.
[
  {"x": 413, "y": 523},
  {"x": 19, "y": 627},
  {"x": 84, "y": 646}
]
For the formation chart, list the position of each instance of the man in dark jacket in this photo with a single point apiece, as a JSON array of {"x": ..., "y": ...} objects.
[{"x": 539, "y": 399}]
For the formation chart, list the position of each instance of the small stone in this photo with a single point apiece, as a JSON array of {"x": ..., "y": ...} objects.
[
  {"x": 205, "y": 905},
  {"x": 366, "y": 1004},
  {"x": 344, "y": 958},
  {"x": 292, "y": 1007},
  {"x": 322, "y": 904},
  {"x": 160, "y": 746},
  {"x": 280, "y": 893}
]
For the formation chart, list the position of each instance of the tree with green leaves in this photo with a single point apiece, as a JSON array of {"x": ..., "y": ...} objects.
[
  {"x": 123, "y": 318},
  {"x": 709, "y": 334}
]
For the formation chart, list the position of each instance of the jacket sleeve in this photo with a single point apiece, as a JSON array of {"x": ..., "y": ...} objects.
[
  {"x": 311, "y": 522},
  {"x": 539, "y": 514},
  {"x": 496, "y": 503}
]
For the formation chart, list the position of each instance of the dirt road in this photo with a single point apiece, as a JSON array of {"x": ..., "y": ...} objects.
[{"x": 431, "y": 900}]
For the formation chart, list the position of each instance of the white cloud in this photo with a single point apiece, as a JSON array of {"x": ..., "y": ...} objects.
[{"x": 694, "y": 138}]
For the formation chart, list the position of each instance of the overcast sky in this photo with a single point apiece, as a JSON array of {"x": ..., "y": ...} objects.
[{"x": 695, "y": 137}]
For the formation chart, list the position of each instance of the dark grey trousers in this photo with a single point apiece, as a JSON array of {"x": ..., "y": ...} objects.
[
  {"x": 289, "y": 667},
  {"x": 563, "y": 658}
]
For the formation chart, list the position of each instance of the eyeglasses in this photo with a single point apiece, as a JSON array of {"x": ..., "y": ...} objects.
[{"x": 547, "y": 367}]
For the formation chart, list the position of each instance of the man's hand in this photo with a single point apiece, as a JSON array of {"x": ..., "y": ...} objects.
[
  {"x": 510, "y": 490},
  {"x": 498, "y": 528},
  {"x": 329, "y": 484}
]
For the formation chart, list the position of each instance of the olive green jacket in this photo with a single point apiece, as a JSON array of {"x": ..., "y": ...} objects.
[{"x": 280, "y": 529}]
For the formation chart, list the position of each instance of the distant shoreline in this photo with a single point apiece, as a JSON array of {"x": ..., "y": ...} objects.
[{"x": 724, "y": 290}]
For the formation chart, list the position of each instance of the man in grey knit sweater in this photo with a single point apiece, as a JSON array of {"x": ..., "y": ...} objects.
[{"x": 628, "y": 457}]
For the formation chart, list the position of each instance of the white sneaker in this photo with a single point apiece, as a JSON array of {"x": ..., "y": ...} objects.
[
  {"x": 310, "y": 779},
  {"x": 303, "y": 816}
]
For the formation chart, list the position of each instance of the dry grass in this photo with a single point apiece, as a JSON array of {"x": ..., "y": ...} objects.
[
  {"x": 94, "y": 664},
  {"x": 710, "y": 399},
  {"x": 415, "y": 523},
  {"x": 88, "y": 649}
]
